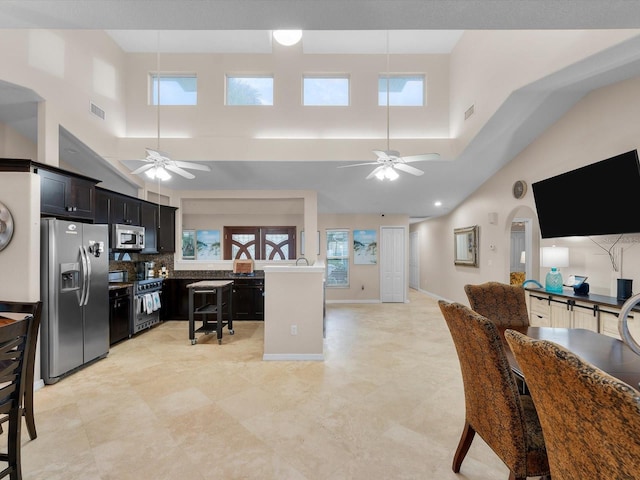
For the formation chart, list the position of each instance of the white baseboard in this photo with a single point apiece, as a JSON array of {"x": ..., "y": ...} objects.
[
  {"x": 437, "y": 297},
  {"x": 293, "y": 356},
  {"x": 38, "y": 384},
  {"x": 354, "y": 301}
]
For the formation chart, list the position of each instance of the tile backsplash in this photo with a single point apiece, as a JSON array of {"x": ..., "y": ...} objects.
[{"x": 127, "y": 262}]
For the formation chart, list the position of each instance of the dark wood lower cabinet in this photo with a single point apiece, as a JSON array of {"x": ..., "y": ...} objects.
[{"x": 247, "y": 300}]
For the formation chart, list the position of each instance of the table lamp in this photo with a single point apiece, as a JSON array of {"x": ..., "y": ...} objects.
[{"x": 554, "y": 258}]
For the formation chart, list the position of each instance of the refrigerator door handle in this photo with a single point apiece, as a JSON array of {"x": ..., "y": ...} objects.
[
  {"x": 88, "y": 283},
  {"x": 83, "y": 259}
]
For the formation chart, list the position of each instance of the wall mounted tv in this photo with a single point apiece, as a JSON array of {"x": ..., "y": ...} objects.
[{"x": 598, "y": 199}]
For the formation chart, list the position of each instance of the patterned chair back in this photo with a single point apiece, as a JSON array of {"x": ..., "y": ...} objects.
[{"x": 505, "y": 305}]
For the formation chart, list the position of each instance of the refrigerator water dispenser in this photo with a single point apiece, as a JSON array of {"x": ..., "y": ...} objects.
[{"x": 69, "y": 277}]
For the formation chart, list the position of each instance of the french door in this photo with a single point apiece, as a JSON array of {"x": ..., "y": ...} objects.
[{"x": 260, "y": 243}]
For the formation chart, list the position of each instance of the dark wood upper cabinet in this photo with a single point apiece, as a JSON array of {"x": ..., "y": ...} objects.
[
  {"x": 158, "y": 221},
  {"x": 102, "y": 204},
  {"x": 65, "y": 195},
  {"x": 167, "y": 230},
  {"x": 124, "y": 210},
  {"x": 149, "y": 215}
]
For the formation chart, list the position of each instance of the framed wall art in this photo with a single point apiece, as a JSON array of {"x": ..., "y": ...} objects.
[
  {"x": 188, "y": 244},
  {"x": 365, "y": 247},
  {"x": 208, "y": 245}
]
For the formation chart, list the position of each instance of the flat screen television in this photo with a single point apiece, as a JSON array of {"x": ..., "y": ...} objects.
[{"x": 598, "y": 199}]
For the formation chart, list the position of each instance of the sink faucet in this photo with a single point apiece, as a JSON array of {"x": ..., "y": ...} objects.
[{"x": 302, "y": 258}]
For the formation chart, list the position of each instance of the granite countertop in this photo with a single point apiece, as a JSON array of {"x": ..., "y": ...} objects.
[{"x": 214, "y": 275}]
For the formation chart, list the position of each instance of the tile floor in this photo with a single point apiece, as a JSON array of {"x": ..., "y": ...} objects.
[{"x": 386, "y": 403}]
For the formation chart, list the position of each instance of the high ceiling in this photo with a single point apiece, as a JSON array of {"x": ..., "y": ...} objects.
[
  {"x": 319, "y": 14},
  {"x": 332, "y": 25}
]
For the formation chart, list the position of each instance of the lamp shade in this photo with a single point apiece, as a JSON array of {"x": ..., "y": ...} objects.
[{"x": 555, "y": 257}]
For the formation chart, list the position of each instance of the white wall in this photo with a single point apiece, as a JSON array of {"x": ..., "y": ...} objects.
[
  {"x": 20, "y": 259},
  {"x": 14, "y": 145},
  {"x": 603, "y": 124}
]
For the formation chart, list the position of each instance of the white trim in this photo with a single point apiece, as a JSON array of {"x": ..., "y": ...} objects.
[
  {"x": 38, "y": 384},
  {"x": 355, "y": 301},
  {"x": 433, "y": 295},
  {"x": 293, "y": 356}
]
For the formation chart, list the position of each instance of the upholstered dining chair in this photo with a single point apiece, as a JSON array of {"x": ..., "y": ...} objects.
[
  {"x": 34, "y": 309},
  {"x": 494, "y": 408},
  {"x": 505, "y": 305},
  {"x": 590, "y": 420},
  {"x": 14, "y": 350}
]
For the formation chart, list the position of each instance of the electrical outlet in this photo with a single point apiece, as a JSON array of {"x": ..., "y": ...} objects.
[{"x": 294, "y": 329}]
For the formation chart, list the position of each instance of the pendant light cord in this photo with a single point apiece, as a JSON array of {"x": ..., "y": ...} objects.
[
  {"x": 158, "y": 90},
  {"x": 388, "y": 91},
  {"x": 158, "y": 118}
]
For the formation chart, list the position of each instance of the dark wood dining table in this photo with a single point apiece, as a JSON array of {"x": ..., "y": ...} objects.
[{"x": 607, "y": 353}]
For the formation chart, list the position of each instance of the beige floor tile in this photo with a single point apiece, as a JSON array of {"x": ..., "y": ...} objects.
[{"x": 387, "y": 403}]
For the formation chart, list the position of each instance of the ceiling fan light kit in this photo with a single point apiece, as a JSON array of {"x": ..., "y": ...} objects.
[
  {"x": 389, "y": 161},
  {"x": 158, "y": 172},
  {"x": 387, "y": 172}
]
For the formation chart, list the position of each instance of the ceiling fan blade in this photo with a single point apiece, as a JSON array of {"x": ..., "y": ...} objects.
[
  {"x": 143, "y": 168},
  {"x": 191, "y": 165},
  {"x": 359, "y": 164},
  {"x": 179, "y": 171},
  {"x": 408, "y": 169},
  {"x": 420, "y": 158},
  {"x": 375, "y": 170},
  {"x": 156, "y": 154},
  {"x": 381, "y": 155}
]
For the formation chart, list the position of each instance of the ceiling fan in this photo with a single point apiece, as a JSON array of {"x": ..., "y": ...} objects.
[
  {"x": 388, "y": 160},
  {"x": 159, "y": 164}
]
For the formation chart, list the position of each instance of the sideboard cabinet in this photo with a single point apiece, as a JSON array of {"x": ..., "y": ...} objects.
[{"x": 598, "y": 313}]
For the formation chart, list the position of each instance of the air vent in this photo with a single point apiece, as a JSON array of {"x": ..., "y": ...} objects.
[
  {"x": 469, "y": 112},
  {"x": 97, "y": 111}
]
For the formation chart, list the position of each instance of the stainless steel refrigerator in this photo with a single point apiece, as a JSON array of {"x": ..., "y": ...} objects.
[{"x": 75, "y": 295}]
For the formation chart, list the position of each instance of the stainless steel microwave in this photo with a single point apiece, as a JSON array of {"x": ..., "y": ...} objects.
[{"x": 128, "y": 237}]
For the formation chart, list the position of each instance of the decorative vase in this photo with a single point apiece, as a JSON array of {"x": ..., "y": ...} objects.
[{"x": 553, "y": 281}]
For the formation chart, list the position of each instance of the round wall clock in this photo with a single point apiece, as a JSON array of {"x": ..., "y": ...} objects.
[
  {"x": 519, "y": 189},
  {"x": 6, "y": 226}
]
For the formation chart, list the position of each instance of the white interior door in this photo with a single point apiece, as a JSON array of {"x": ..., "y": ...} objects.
[
  {"x": 414, "y": 261},
  {"x": 392, "y": 268}
]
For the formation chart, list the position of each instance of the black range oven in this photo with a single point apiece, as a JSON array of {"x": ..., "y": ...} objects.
[{"x": 146, "y": 304}]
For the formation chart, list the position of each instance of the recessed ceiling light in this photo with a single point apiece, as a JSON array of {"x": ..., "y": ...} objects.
[
  {"x": 287, "y": 37},
  {"x": 438, "y": 203}
]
